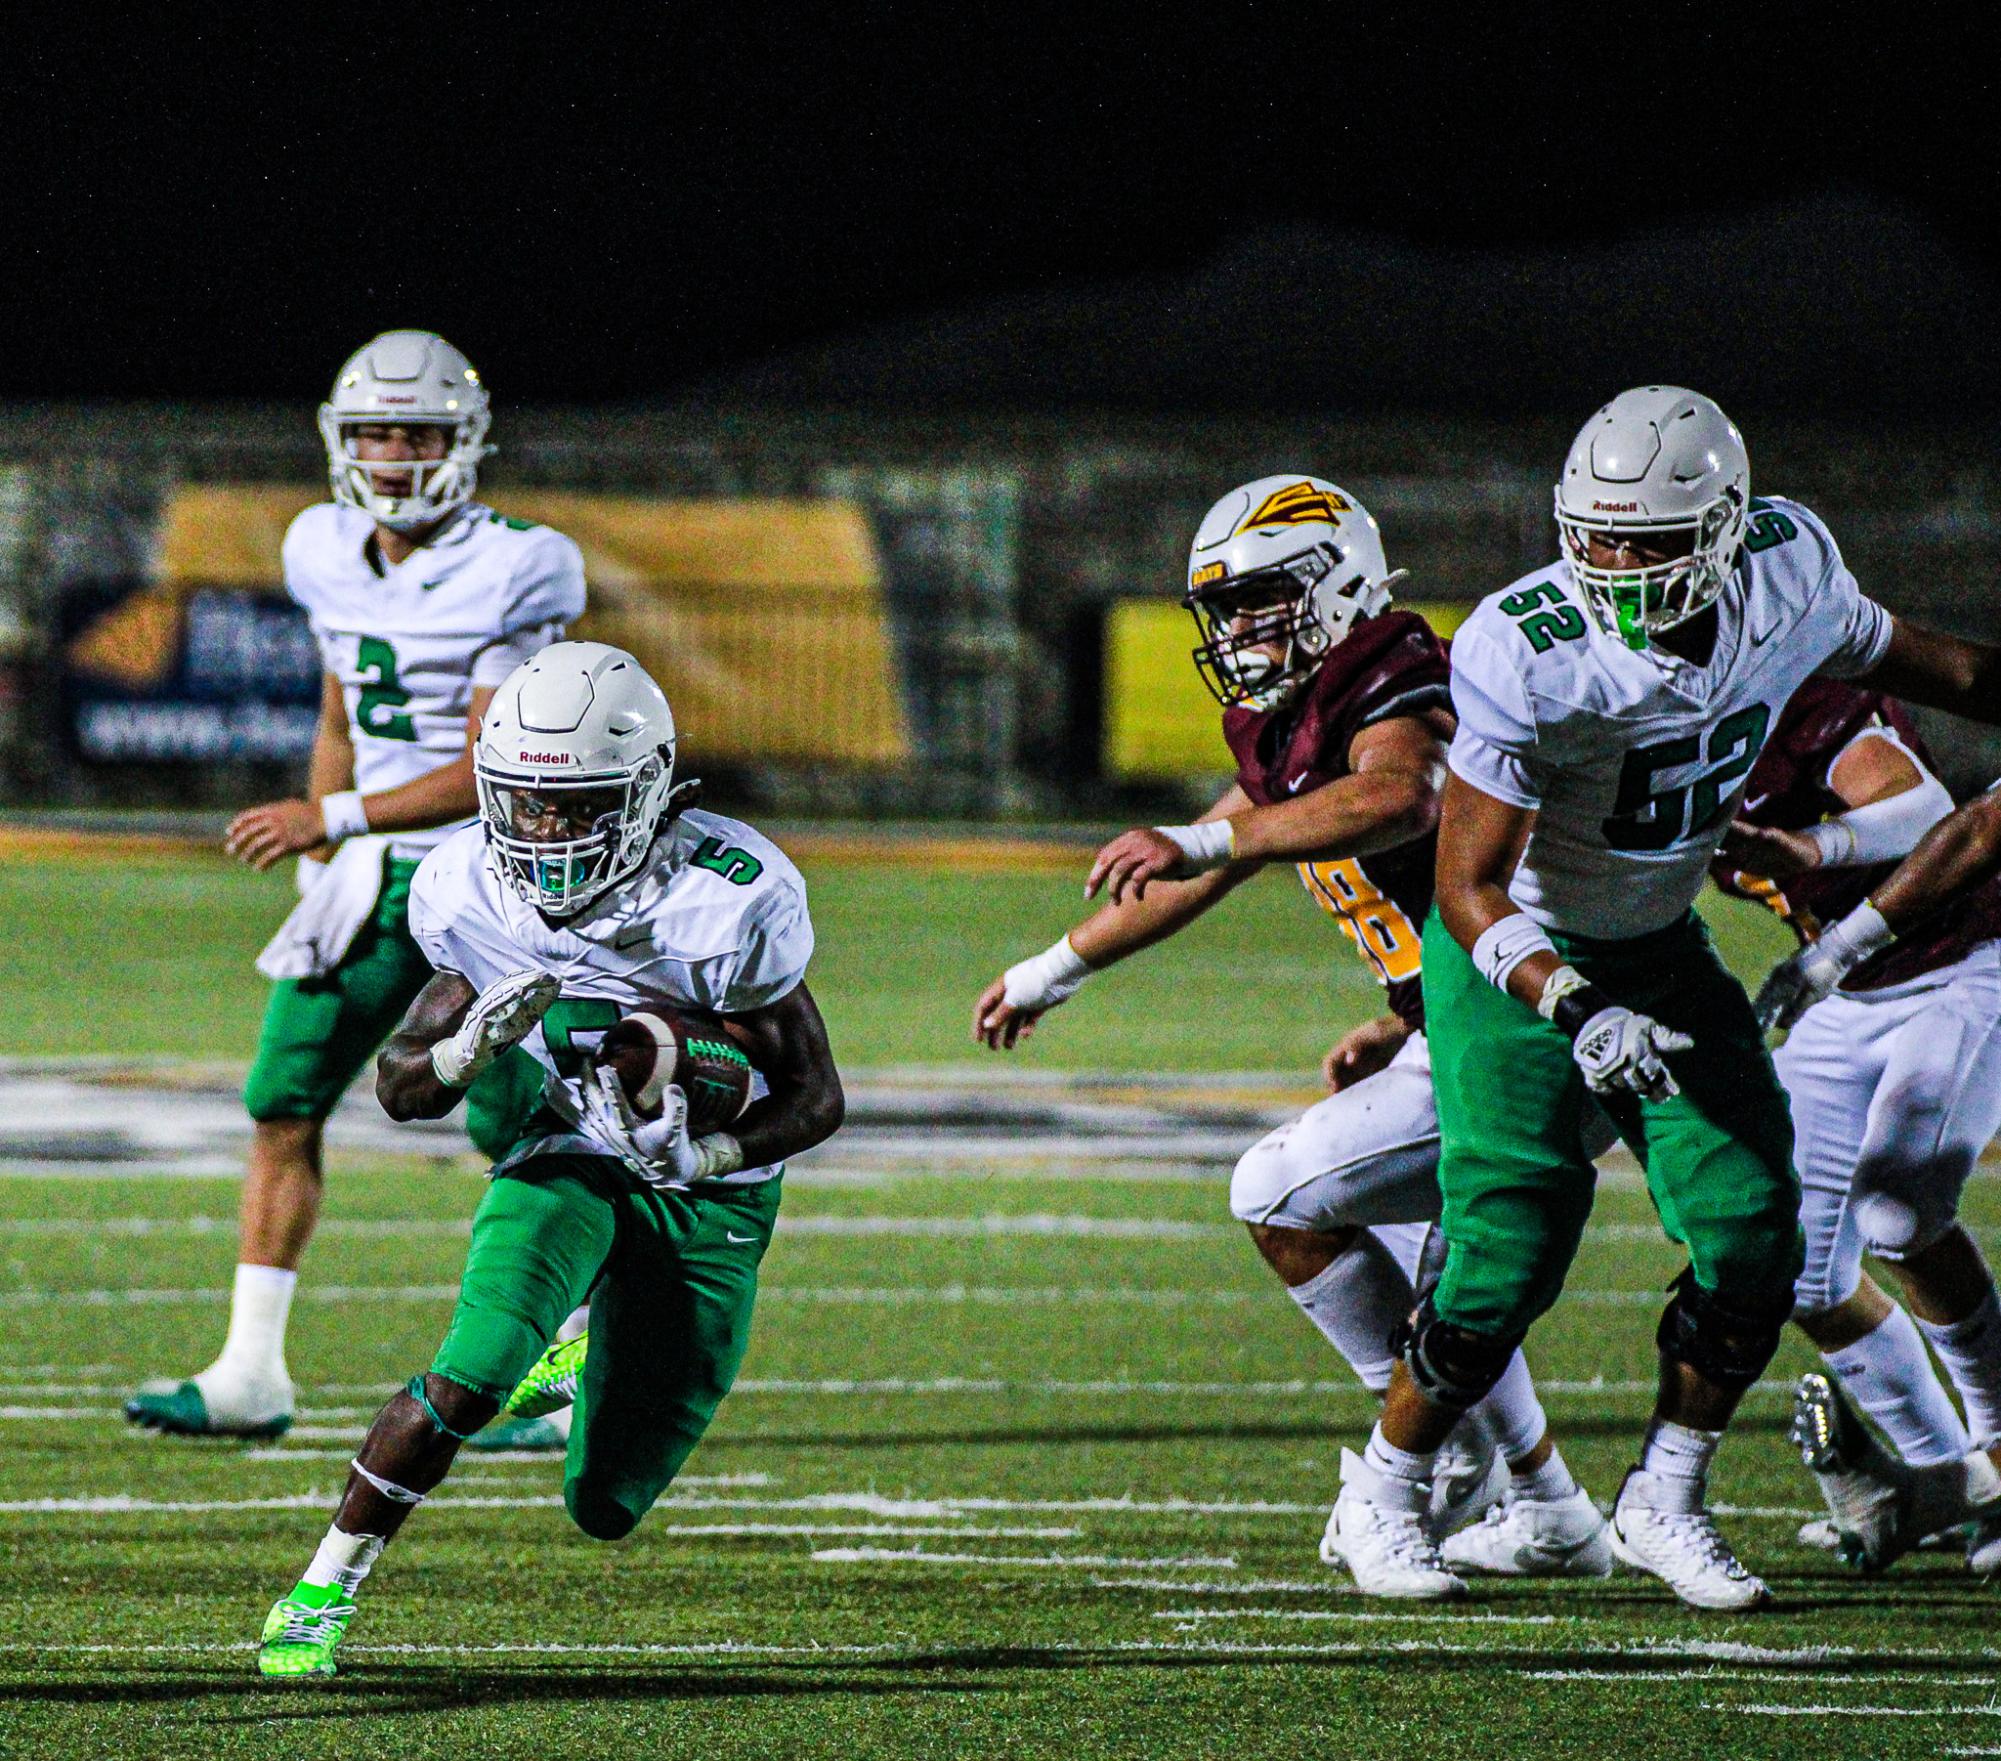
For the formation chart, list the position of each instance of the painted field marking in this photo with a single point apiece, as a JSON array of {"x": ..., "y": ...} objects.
[
  {"x": 1859, "y": 1678},
  {"x": 1832, "y": 1711},
  {"x": 1059, "y": 1561},
  {"x": 1369, "y": 1615}
]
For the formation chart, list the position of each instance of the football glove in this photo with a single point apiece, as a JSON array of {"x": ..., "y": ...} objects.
[
  {"x": 659, "y": 1151},
  {"x": 1620, "y": 1051},
  {"x": 1796, "y": 984},
  {"x": 500, "y": 1016}
]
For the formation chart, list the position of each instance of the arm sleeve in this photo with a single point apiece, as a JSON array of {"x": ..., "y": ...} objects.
[{"x": 774, "y": 956}]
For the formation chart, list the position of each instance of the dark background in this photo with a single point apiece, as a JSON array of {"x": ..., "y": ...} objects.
[{"x": 1234, "y": 208}]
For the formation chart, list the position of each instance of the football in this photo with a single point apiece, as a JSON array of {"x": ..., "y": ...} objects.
[{"x": 652, "y": 1048}]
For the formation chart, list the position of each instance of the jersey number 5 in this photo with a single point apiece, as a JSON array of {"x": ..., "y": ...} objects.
[{"x": 1646, "y": 818}]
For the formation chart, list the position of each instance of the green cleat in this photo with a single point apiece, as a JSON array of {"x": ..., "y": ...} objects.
[
  {"x": 177, "y": 1409},
  {"x": 301, "y": 1631},
  {"x": 552, "y": 1384}
]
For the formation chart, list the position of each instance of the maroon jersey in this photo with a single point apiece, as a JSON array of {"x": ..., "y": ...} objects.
[
  {"x": 1788, "y": 788},
  {"x": 1388, "y": 666}
]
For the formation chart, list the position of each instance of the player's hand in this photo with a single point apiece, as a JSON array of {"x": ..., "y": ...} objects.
[
  {"x": 1767, "y": 851},
  {"x": 659, "y": 1151},
  {"x": 1793, "y": 986},
  {"x": 997, "y": 1023},
  {"x": 263, "y": 835},
  {"x": 1621, "y": 1051},
  {"x": 500, "y": 1016},
  {"x": 1131, "y": 860},
  {"x": 1362, "y": 1051},
  {"x": 1009, "y": 1008}
]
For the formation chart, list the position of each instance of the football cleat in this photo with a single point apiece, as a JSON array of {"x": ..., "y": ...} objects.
[
  {"x": 549, "y": 1434},
  {"x": 1465, "y": 1487},
  {"x": 1682, "y": 1548},
  {"x": 553, "y": 1382},
  {"x": 301, "y": 1632},
  {"x": 1385, "y": 1545},
  {"x": 1529, "y": 1538},
  {"x": 181, "y": 1409},
  {"x": 1983, "y": 1546}
]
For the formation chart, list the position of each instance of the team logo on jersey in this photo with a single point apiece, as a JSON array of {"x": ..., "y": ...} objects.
[{"x": 1297, "y": 504}]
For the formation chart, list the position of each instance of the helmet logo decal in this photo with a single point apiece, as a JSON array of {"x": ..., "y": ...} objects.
[
  {"x": 1615, "y": 507},
  {"x": 545, "y": 758},
  {"x": 1298, "y": 504},
  {"x": 1208, "y": 572}
]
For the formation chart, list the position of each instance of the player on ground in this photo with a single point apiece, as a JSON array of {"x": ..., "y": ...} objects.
[
  {"x": 1610, "y": 708},
  {"x": 1895, "y": 1084},
  {"x": 589, "y": 891},
  {"x": 1336, "y": 709},
  {"x": 421, "y": 601}
]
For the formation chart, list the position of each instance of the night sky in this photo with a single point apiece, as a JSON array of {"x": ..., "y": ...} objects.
[{"x": 1181, "y": 207}]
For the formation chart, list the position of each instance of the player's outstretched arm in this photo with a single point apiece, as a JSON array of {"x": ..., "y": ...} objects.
[
  {"x": 1941, "y": 671},
  {"x": 787, "y": 1042},
  {"x": 1891, "y": 801},
  {"x": 1009, "y": 1008}
]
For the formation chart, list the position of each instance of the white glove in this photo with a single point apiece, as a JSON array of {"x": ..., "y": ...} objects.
[
  {"x": 659, "y": 1151},
  {"x": 1619, "y": 1052},
  {"x": 500, "y": 1015},
  {"x": 1043, "y": 980},
  {"x": 1796, "y": 984}
]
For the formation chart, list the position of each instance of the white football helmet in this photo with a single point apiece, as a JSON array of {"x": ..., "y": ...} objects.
[
  {"x": 413, "y": 377},
  {"x": 1281, "y": 569},
  {"x": 580, "y": 736},
  {"x": 1659, "y": 465}
]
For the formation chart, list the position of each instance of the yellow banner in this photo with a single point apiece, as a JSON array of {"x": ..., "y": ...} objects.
[{"x": 763, "y": 619}]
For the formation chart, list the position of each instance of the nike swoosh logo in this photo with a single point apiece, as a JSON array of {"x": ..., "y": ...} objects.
[
  {"x": 1755, "y": 802},
  {"x": 632, "y": 938},
  {"x": 1296, "y": 781},
  {"x": 428, "y": 585},
  {"x": 730, "y": 1235}
]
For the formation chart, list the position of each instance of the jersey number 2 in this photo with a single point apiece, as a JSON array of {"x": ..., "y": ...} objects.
[
  {"x": 380, "y": 711},
  {"x": 1645, "y": 818}
]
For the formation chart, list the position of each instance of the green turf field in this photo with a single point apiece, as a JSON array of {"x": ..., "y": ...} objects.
[{"x": 1029, "y": 1458}]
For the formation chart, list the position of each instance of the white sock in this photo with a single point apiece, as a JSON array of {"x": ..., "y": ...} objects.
[
  {"x": 1546, "y": 1484},
  {"x": 1887, "y": 1374},
  {"x": 1511, "y": 1416},
  {"x": 1676, "y": 1459},
  {"x": 1406, "y": 1476},
  {"x": 344, "y": 1559},
  {"x": 1357, "y": 1302},
  {"x": 1971, "y": 1352},
  {"x": 258, "y": 1307}
]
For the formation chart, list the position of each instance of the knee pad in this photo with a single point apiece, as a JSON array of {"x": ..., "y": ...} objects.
[
  {"x": 1897, "y": 1225},
  {"x": 1728, "y": 1342},
  {"x": 1452, "y": 1367}
]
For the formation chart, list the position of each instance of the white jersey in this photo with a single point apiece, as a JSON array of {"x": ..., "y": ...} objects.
[
  {"x": 1636, "y": 762},
  {"x": 409, "y": 642},
  {"x": 716, "y": 921}
]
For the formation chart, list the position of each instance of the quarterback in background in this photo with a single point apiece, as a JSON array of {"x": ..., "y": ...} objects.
[
  {"x": 421, "y": 601},
  {"x": 1610, "y": 708},
  {"x": 1337, "y": 712},
  {"x": 590, "y": 891}
]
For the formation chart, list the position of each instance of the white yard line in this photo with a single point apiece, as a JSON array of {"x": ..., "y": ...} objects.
[
  {"x": 1062, "y": 1561},
  {"x": 1833, "y": 1711},
  {"x": 1372, "y": 1615}
]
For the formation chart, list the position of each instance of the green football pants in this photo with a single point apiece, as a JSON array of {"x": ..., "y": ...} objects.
[
  {"x": 1516, "y": 1187},
  {"x": 319, "y": 1032},
  {"x": 671, "y": 1277}
]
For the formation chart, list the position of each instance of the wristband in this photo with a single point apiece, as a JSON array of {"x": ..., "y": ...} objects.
[
  {"x": 717, "y": 1154},
  {"x": 343, "y": 815},
  {"x": 448, "y": 1064},
  {"x": 1045, "y": 979},
  {"x": 1209, "y": 845},
  {"x": 1570, "y": 1000},
  {"x": 1864, "y": 931},
  {"x": 1504, "y": 945}
]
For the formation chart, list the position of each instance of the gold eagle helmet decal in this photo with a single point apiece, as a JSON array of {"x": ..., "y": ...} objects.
[{"x": 1297, "y": 504}]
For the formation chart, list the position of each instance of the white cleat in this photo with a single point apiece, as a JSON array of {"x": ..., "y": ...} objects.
[
  {"x": 1465, "y": 1488},
  {"x": 1680, "y": 1547},
  {"x": 1383, "y": 1541},
  {"x": 1527, "y": 1538}
]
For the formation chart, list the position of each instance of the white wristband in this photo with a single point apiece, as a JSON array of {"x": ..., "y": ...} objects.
[
  {"x": 1045, "y": 979},
  {"x": 343, "y": 815},
  {"x": 1504, "y": 945},
  {"x": 1864, "y": 931},
  {"x": 1212, "y": 844},
  {"x": 448, "y": 1064},
  {"x": 1881, "y": 831},
  {"x": 717, "y": 1154}
]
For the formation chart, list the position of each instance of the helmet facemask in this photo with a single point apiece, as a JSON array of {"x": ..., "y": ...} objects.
[
  {"x": 1634, "y": 604},
  {"x": 437, "y": 486},
  {"x": 1294, "y": 607},
  {"x": 531, "y": 822}
]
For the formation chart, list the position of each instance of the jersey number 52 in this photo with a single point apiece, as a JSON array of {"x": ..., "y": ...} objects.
[{"x": 1646, "y": 818}]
